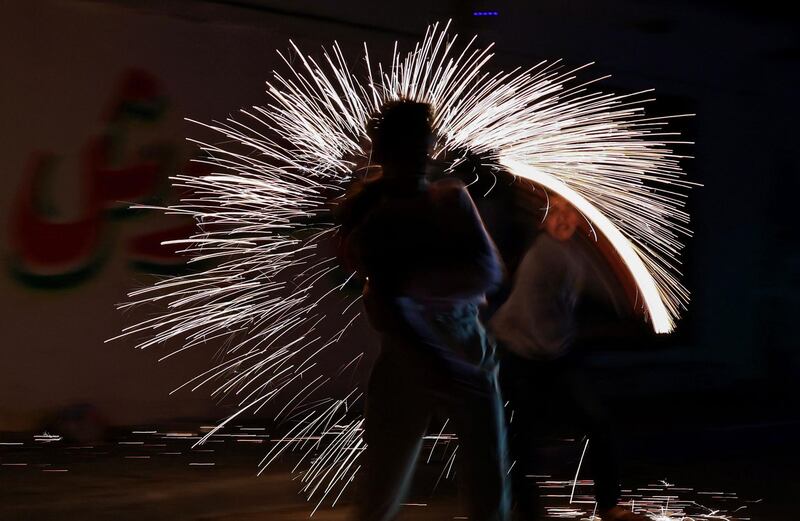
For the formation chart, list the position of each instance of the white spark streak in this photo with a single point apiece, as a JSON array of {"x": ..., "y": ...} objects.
[{"x": 578, "y": 471}]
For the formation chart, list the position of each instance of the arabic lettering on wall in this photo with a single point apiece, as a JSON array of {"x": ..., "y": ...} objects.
[{"x": 48, "y": 251}]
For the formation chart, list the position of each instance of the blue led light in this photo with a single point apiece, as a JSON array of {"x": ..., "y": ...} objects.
[{"x": 485, "y": 13}]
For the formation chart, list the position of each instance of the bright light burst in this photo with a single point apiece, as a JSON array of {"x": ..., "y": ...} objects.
[{"x": 264, "y": 271}]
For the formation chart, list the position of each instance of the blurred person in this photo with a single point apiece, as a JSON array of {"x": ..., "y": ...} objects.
[
  {"x": 537, "y": 328},
  {"x": 428, "y": 263}
]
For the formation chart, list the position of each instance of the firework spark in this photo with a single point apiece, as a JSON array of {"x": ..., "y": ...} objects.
[{"x": 264, "y": 272}]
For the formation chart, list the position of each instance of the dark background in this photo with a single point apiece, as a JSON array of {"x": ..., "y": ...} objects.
[{"x": 727, "y": 381}]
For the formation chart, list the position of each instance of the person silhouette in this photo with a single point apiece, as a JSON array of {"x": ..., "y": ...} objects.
[
  {"x": 428, "y": 262},
  {"x": 537, "y": 328}
]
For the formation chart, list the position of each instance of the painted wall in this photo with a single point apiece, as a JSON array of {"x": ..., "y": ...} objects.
[{"x": 93, "y": 99}]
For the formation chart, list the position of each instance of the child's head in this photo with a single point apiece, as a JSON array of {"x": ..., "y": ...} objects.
[{"x": 561, "y": 220}]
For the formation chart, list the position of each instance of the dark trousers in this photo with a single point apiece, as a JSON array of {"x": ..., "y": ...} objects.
[
  {"x": 539, "y": 391},
  {"x": 406, "y": 387}
]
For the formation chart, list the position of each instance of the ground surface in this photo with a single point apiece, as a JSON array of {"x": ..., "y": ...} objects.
[{"x": 734, "y": 472}]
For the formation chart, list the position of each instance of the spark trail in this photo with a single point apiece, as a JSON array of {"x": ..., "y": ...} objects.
[{"x": 263, "y": 278}]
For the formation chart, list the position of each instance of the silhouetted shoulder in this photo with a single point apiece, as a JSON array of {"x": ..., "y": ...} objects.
[
  {"x": 554, "y": 254},
  {"x": 350, "y": 209},
  {"x": 451, "y": 192}
]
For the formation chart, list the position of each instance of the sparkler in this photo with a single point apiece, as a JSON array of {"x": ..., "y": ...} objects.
[{"x": 269, "y": 277}]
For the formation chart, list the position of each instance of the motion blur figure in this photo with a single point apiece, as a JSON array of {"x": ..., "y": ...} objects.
[
  {"x": 537, "y": 328},
  {"x": 428, "y": 263}
]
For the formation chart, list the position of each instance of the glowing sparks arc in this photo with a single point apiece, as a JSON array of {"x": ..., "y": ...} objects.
[
  {"x": 264, "y": 278},
  {"x": 653, "y": 299}
]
